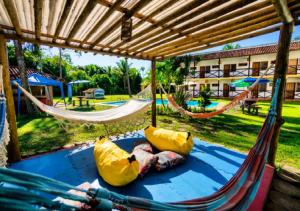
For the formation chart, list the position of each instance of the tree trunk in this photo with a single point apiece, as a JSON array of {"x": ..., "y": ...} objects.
[
  {"x": 128, "y": 80},
  {"x": 280, "y": 72},
  {"x": 23, "y": 72},
  {"x": 161, "y": 98}
]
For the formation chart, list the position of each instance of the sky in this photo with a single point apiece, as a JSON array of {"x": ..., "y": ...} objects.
[{"x": 90, "y": 58}]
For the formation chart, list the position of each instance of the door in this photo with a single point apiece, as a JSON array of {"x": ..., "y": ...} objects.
[
  {"x": 290, "y": 90},
  {"x": 225, "y": 90},
  {"x": 255, "y": 68},
  {"x": 202, "y": 72},
  {"x": 292, "y": 69},
  {"x": 226, "y": 70}
]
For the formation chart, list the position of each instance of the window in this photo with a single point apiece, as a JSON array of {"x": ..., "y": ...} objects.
[
  {"x": 245, "y": 64},
  {"x": 263, "y": 65},
  {"x": 231, "y": 88},
  {"x": 262, "y": 87},
  {"x": 233, "y": 67},
  {"x": 207, "y": 69},
  {"x": 215, "y": 66},
  {"x": 298, "y": 87},
  {"x": 208, "y": 86},
  {"x": 215, "y": 85}
]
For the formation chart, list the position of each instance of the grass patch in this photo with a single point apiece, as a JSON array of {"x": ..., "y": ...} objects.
[{"x": 232, "y": 129}]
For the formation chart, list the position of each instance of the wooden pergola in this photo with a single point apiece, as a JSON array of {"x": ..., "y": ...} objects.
[{"x": 159, "y": 29}]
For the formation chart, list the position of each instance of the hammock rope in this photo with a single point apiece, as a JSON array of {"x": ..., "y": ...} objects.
[
  {"x": 4, "y": 132},
  {"x": 236, "y": 100},
  {"x": 236, "y": 194}
]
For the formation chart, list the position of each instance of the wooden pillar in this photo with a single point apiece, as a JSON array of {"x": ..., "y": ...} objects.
[
  {"x": 13, "y": 148},
  {"x": 281, "y": 68},
  {"x": 127, "y": 77},
  {"x": 153, "y": 87},
  {"x": 249, "y": 64}
]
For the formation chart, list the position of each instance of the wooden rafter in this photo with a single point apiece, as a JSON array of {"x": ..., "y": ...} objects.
[
  {"x": 140, "y": 4},
  {"x": 65, "y": 45},
  {"x": 186, "y": 8},
  {"x": 82, "y": 18},
  {"x": 283, "y": 11},
  {"x": 161, "y": 28},
  {"x": 13, "y": 15},
  {"x": 262, "y": 19},
  {"x": 102, "y": 19},
  {"x": 147, "y": 18},
  {"x": 63, "y": 18},
  {"x": 38, "y": 7},
  {"x": 204, "y": 22}
]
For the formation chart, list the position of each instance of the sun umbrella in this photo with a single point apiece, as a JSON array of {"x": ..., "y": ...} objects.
[
  {"x": 245, "y": 82},
  {"x": 240, "y": 83}
]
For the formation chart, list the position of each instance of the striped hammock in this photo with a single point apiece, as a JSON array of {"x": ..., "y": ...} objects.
[
  {"x": 132, "y": 108},
  {"x": 4, "y": 133},
  {"x": 237, "y": 194},
  {"x": 236, "y": 100}
]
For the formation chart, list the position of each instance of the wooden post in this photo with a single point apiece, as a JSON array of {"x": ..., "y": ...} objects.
[
  {"x": 281, "y": 68},
  {"x": 13, "y": 148},
  {"x": 127, "y": 76},
  {"x": 153, "y": 87}
]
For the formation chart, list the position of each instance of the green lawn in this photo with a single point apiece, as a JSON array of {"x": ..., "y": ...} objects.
[{"x": 231, "y": 129}]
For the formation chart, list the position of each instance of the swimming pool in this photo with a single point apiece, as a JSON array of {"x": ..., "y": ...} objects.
[{"x": 159, "y": 102}]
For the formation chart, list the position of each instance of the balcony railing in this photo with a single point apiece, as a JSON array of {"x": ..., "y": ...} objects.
[{"x": 241, "y": 72}]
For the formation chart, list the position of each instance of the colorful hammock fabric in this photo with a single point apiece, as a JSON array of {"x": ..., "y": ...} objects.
[
  {"x": 236, "y": 100},
  {"x": 131, "y": 109},
  {"x": 237, "y": 194}
]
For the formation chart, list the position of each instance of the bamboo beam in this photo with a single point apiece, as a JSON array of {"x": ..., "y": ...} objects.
[
  {"x": 222, "y": 42},
  {"x": 202, "y": 9},
  {"x": 283, "y": 10},
  {"x": 153, "y": 89},
  {"x": 205, "y": 23},
  {"x": 139, "y": 5},
  {"x": 261, "y": 8},
  {"x": 214, "y": 37},
  {"x": 102, "y": 19},
  {"x": 10, "y": 7},
  {"x": 281, "y": 69},
  {"x": 221, "y": 29},
  {"x": 188, "y": 7},
  {"x": 13, "y": 148},
  {"x": 65, "y": 45},
  {"x": 63, "y": 18},
  {"x": 82, "y": 18},
  {"x": 38, "y": 8},
  {"x": 164, "y": 5}
]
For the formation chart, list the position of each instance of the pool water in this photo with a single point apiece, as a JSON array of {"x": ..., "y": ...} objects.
[{"x": 159, "y": 102}]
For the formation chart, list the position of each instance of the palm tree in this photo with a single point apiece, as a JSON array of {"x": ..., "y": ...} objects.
[
  {"x": 123, "y": 66},
  {"x": 231, "y": 46}
]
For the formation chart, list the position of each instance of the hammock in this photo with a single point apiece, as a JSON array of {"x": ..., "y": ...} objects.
[
  {"x": 236, "y": 100},
  {"x": 237, "y": 194},
  {"x": 133, "y": 107}
]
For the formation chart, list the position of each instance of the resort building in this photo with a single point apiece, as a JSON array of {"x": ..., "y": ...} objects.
[{"x": 217, "y": 70}]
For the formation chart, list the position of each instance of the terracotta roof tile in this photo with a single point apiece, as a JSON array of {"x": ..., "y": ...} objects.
[{"x": 267, "y": 49}]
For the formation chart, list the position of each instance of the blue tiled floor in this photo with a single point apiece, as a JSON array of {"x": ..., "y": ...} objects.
[{"x": 206, "y": 170}]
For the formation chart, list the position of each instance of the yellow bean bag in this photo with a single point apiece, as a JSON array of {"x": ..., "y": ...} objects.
[
  {"x": 168, "y": 140},
  {"x": 115, "y": 165}
]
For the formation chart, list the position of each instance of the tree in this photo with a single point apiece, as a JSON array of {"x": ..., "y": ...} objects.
[
  {"x": 123, "y": 66},
  {"x": 204, "y": 94},
  {"x": 23, "y": 72},
  {"x": 231, "y": 46}
]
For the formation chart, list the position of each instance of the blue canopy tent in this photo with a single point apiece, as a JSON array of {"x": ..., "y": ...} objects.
[
  {"x": 35, "y": 79},
  {"x": 70, "y": 84}
]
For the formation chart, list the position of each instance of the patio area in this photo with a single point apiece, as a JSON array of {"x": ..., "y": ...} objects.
[{"x": 205, "y": 171}]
